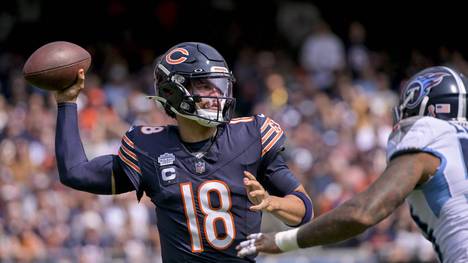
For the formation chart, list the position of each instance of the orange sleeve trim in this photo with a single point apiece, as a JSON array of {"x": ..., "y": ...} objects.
[
  {"x": 265, "y": 125},
  {"x": 129, "y": 153},
  {"x": 129, "y": 163},
  {"x": 272, "y": 142},
  {"x": 243, "y": 119},
  {"x": 128, "y": 141},
  {"x": 267, "y": 135}
]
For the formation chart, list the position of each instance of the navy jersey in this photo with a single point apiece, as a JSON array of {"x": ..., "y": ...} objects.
[{"x": 201, "y": 202}]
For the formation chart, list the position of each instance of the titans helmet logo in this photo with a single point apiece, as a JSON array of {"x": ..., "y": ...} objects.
[{"x": 421, "y": 86}]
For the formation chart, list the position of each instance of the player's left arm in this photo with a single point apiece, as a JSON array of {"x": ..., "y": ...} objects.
[
  {"x": 293, "y": 209},
  {"x": 275, "y": 189}
]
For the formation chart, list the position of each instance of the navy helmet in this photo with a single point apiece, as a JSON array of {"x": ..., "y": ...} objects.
[
  {"x": 439, "y": 92},
  {"x": 185, "y": 66}
]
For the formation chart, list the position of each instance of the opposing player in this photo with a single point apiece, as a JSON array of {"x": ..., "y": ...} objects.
[
  {"x": 427, "y": 163},
  {"x": 200, "y": 174}
]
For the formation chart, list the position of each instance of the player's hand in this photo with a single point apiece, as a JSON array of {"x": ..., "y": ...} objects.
[
  {"x": 70, "y": 94},
  {"x": 257, "y": 243},
  {"x": 258, "y": 195}
]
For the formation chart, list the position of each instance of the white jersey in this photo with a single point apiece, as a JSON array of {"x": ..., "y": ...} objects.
[{"x": 440, "y": 205}]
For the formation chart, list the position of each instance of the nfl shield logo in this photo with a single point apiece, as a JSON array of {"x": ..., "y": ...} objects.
[{"x": 199, "y": 167}]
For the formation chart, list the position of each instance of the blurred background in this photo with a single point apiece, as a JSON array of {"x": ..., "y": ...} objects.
[{"x": 328, "y": 71}]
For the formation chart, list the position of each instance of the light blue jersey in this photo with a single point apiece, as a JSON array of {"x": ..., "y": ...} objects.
[{"x": 440, "y": 205}]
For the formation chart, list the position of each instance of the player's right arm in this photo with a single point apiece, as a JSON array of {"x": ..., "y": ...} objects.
[{"x": 102, "y": 175}]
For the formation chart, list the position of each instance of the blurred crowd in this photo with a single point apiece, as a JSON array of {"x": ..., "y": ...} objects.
[{"x": 333, "y": 98}]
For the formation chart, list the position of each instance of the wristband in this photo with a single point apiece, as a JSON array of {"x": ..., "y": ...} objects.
[
  {"x": 287, "y": 240},
  {"x": 309, "y": 208}
]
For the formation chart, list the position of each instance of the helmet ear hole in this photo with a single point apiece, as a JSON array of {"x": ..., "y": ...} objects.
[
  {"x": 171, "y": 92},
  {"x": 176, "y": 97},
  {"x": 187, "y": 106}
]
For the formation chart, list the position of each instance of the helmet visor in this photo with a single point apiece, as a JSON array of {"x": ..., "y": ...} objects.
[
  {"x": 211, "y": 87},
  {"x": 211, "y": 93}
]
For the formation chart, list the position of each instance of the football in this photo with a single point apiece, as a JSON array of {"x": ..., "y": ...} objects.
[{"x": 54, "y": 66}]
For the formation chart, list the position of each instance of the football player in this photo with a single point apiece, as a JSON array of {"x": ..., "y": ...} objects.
[
  {"x": 427, "y": 156},
  {"x": 210, "y": 177}
]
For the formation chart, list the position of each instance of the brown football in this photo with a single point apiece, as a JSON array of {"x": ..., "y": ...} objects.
[{"x": 54, "y": 66}]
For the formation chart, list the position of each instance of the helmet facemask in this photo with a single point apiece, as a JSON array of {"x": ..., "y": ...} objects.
[
  {"x": 213, "y": 100},
  {"x": 207, "y": 100}
]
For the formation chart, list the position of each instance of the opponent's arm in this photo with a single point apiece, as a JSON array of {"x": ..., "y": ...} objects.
[
  {"x": 101, "y": 175},
  {"x": 356, "y": 215},
  {"x": 373, "y": 205}
]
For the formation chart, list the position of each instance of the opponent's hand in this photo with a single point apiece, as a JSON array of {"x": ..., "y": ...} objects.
[
  {"x": 70, "y": 94},
  {"x": 258, "y": 195},
  {"x": 257, "y": 243}
]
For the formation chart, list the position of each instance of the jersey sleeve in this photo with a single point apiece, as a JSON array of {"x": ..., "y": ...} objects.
[
  {"x": 128, "y": 159},
  {"x": 273, "y": 173},
  {"x": 417, "y": 134},
  {"x": 272, "y": 137},
  {"x": 277, "y": 179},
  {"x": 100, "y": 175}
]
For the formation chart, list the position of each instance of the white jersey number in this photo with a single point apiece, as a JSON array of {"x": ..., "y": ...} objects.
[{"x": 210, "y": 214}]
